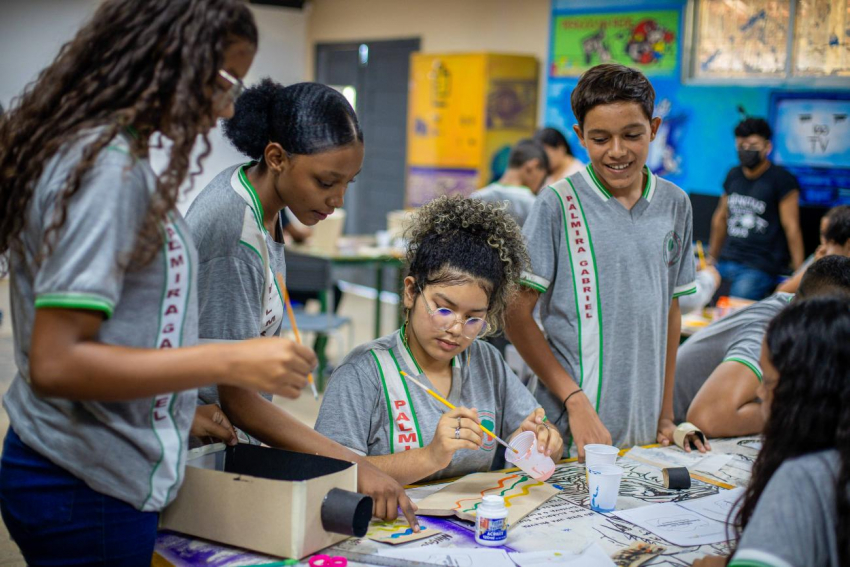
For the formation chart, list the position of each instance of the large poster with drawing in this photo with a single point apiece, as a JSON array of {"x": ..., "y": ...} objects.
[{"x": 646, "y": 40}]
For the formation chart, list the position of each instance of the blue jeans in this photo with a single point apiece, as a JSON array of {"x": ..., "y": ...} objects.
[
  {"x": 56, "y": 519},
  {"x": 748, "y": 283}
]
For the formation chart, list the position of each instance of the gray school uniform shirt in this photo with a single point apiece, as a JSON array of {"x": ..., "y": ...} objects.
[
  {"x": 237, "y": 292},
  {"x": 736, "y": 337},
  {"x": 795, "y": 521},
  {"x": 606, "y": 277},
  {"x": 366, "y": 402},
  {"x": 131, "y": 450},
  {"x": 519, "y": 199}
]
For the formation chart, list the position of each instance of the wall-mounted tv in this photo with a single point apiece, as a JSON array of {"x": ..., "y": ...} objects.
[{"x": 811, "y": 137}]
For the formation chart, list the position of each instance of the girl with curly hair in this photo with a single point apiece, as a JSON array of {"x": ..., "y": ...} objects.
[
  {"x": 465, "y": 257},
  {"x": 104, "y": 277},
  {"x": 306, "y": 146},
  {"x": 796, "y": 509}
]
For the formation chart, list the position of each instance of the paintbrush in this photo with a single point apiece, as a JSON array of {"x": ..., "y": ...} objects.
[
  {"x": 701, "y": 254},
  {"x": 450, "y": 405},
  {"x": 292, "y": 322}
]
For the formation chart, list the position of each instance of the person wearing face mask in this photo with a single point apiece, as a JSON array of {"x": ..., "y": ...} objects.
[{"x": 756, "y": 226}]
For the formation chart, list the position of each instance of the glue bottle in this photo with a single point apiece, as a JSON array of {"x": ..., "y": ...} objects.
[{"x": 491, "y": 524}]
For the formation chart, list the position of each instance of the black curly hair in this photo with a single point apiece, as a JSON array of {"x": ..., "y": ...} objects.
[
  {"x": 838, "y": 225},
  {"x": 304, "y": 118},
  {"x": 828, "y": 276},
  {"x": 454, "y": 240},
  {"x": 151, "y": 65},
  {"x": 807, "y": 344}
]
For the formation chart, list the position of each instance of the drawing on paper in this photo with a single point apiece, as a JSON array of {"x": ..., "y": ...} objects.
[
  {"x": 683, "y": 523},
  {"x": 567, "y": 516},
  {"x": 399, "y": 531},
  {"x": 461, "y": 498}
]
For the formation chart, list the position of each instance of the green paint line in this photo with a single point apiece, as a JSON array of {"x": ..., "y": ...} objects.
[{"x": 502, "y": 493}]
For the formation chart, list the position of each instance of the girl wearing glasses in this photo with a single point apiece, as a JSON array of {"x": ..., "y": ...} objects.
[
  {"x": 465, "y": 257},
  {"x": 104, "y": 275}
]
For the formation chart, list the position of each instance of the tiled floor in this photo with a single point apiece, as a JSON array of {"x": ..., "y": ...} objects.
[{"x": 306, "y": 409}]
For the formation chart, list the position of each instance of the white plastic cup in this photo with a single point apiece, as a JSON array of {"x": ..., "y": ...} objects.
[
  {"x": 528, "y": 457},
  {"x": 595, "y": 454},
  {"x": 604, "y": 486}
]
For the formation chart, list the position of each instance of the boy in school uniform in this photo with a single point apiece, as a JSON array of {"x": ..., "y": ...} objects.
[
  {"x": 611, "y": 254},
  {"x": 718, "y": 371},
  {"x": 528, "y": 167}
]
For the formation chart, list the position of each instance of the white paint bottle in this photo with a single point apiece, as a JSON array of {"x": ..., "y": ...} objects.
[{"x": 491, "y": 523}]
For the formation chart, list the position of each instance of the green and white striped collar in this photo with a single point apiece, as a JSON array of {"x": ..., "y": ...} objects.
[
  {"x": 256, "y": 205},
  {"x": 599, "y": 189},
  {"x": 407, "y": 355}
]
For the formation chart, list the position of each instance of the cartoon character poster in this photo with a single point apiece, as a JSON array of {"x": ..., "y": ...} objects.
[{"x": 646, "y": 40}]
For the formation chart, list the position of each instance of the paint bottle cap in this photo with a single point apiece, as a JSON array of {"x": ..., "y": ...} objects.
[{"x": 492, "y": 502}]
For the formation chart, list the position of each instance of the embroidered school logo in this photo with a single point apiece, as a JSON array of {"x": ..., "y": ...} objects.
[
  {"x": 488, "y": 420},
  {"x": 672, "y": 248}
]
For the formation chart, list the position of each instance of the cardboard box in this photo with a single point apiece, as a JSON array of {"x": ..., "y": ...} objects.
[{"x": 267, "y": 500}]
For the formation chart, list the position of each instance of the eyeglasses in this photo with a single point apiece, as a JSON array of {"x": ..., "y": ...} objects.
[
  {"x": 444, "y": 319},
  {"x": 237, "y": 87}
]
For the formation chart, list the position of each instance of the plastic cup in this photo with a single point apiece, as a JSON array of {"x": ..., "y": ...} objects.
[
  {"x": 528, "y": 457},
  {"x": 604, "y": 486},
  {"x": 596, "y": 454}
]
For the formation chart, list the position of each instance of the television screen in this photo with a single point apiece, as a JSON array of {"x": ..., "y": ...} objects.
[{"x": 811, "y": 137}]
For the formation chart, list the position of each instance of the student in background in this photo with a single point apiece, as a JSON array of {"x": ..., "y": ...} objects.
[
  {"x": 834, "y": 239},
  {"x": 611, "y": 253},
  {"x": 562, "y": 162},
  {"x": 717, "y": 369},
  {"x": 306, "y": 146},
  {"x": 465, "y": 257},
  {"x": 757, "y": 221},
  {"x": 518, "y": 187},
  {"x": 103, "y": 278},
  {"x": 796, "y": 509}
]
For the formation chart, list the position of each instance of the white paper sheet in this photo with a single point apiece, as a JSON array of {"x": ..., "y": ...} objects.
[
  {"x": 695, "y": 461},
  {"x": 592, "y": 556},
  {"x": 717, "y": 507},
  {"x": 454, "y": 556},
  {"x": 676, "y": 524}
]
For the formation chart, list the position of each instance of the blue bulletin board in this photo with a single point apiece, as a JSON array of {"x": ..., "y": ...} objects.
[{"x": 695, "y": 147}]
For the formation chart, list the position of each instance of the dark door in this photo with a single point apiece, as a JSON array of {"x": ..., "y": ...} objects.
[{"x": 375, "y": 74}]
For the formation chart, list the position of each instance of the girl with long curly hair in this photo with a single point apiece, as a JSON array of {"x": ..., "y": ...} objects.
[
  {"x": 796, "y": 509},
  {"x": 104, "y": 277},
  {"x": 465, "y": 257},
  {"x": 305, "y": 146}
]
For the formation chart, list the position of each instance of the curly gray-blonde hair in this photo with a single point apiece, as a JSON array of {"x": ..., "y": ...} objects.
[{"x": 454, "y": 239}]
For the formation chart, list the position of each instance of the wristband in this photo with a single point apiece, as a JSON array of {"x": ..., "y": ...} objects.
[{"x": 570, "y": 396}]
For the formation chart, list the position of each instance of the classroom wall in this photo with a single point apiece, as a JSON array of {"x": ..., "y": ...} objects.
[
  {"x": 504, "y": 26},
  {"x": 32, "y": 31},
  {"x": 700, "y": 117}
]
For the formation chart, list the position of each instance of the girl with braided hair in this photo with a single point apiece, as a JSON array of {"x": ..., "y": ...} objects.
[
  {"x": 465, "y": 257},
  {"x": 305, "y": 146},
  {"x": 104, "y": 277},
  {"x": 796, "y": 509}
]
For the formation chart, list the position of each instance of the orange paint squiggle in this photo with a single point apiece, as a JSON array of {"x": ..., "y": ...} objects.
[{"x": 500, "y": 485}]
